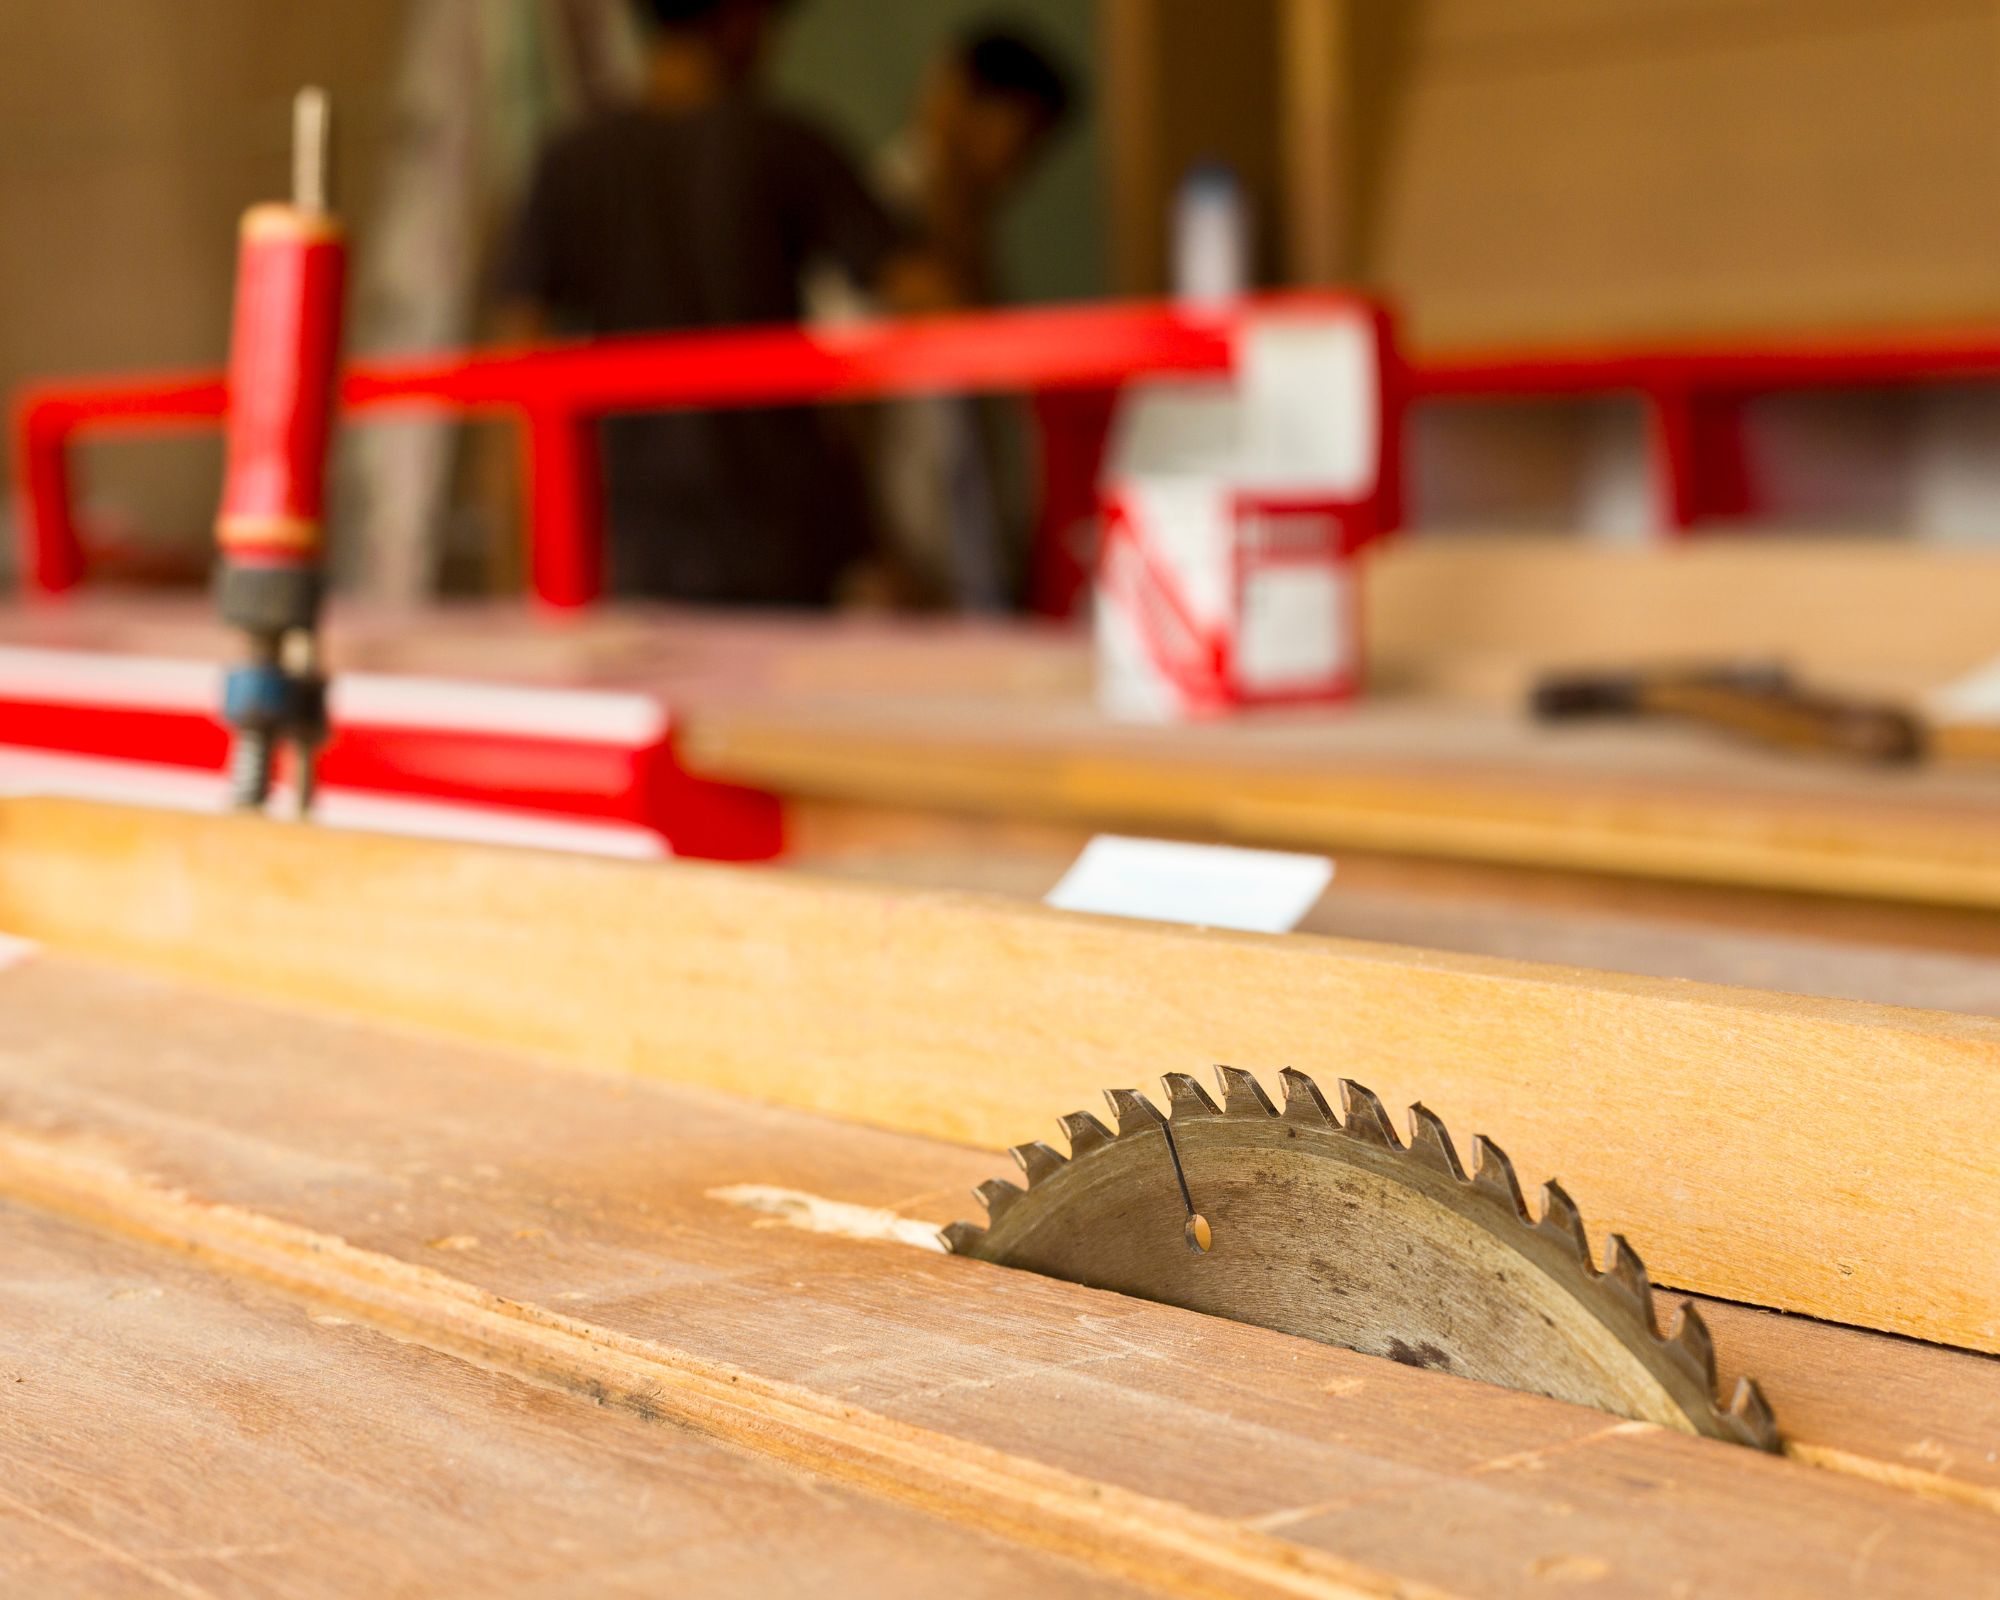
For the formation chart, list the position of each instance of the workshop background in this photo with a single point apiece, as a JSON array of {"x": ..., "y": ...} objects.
[
  {"x": 1555, "y": 172},
  {"x": 1000, "y": 797}
]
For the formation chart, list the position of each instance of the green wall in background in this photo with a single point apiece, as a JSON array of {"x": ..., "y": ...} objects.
[{"x": 858, "y": 64}]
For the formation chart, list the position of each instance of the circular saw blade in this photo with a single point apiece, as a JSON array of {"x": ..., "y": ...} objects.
[{"x": 1333, "y": 1228}]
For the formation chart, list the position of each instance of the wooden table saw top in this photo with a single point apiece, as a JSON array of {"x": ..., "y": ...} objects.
[
  {"x": 384, "y": 1216},
  {"x": 298, "y": 1305}
]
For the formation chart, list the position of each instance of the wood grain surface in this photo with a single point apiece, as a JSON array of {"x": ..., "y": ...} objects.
[
  {"x": 1443, "y": 781},
  {"x": 1810, "y": 1155},
  {"x": 1933, "y": 958},
  {"x": 555, "y": 1244},
  {"x": 166, "y": 1430}
]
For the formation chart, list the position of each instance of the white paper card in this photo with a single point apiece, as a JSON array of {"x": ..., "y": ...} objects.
[{"x": 1209, "y": 886}]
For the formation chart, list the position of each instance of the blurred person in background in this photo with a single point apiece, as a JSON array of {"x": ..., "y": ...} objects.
[
  {"x": 704, "y": 206},
  {"x": 952, "y": 478},
  {"x": 988, "y": 112}
]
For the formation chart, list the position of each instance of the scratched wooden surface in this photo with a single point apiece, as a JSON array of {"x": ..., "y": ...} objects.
[
  {"x": 167, "y": 1431},
  {"x": 133, "y": 1105}
]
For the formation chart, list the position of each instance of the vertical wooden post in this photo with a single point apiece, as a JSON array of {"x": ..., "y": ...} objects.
[
  {"x": 1132, "y": 70},
  {"x": 1188, "y": 81},
  {"x": 1317, "y": 140}
]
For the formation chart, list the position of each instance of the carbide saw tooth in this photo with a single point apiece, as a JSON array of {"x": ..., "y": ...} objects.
[
  {"x": 1692, "y": 1346},
  {"x": 961, "y": 1238},
  {"x": 1750, "y": 1414},
  {"x": 1038, "y": 1161},
  {"x": 1242, "y": 1094},
  {"x": 1085, "y": 1133},
  {"x": 1561, "y": 1220},
  {"x": 999, "y": 1197},
  {"x": 1493, "y": 1174},
  {"x": 1430, "y": 1142},
  {"x": 1187, "y": 1098},
  {"x": 1624, "y": 1271},
  {"x": 1363, "y": 1117},
  {"x": 1303, "y": 1101},
  {"x": 1133, "y": 1111}
]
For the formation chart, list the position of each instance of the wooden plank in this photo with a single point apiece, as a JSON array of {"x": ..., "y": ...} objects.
[
  {"x": 336, "y": 1462},
  {"x": 1622, "y": 132},
  {"x": 1411, "y": 777},
  {"x": 1172, "y": 1549},
  {"x": 999, "y": 855},
  {"x": 1932, "y": 961},
  {"x": 1872, "y": 614},
  {"x": 1811, "y": 1155},
  {"x": 415, "y": 1185}
]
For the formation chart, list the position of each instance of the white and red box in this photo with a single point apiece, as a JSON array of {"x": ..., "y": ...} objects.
[{"x": 1233, "y": 512}]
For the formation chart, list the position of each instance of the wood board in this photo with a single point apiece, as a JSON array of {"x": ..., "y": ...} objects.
[
  {"x": 337, "y": 1461},
  {"x": 1902, "y": 956},
  {"x": 1653, "y": 804},
  {"x": 367, "y": 1180},
  {"x": 1817, "y": 1156},
  {"x": 1440, "y": 760}
]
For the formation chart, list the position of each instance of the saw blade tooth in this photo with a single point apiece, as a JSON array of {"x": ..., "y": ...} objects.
[
  {"x": 1187, "y": 1098},
  {"x": 1430, "y": 1142},
  {"x": 1242, "y": 1094},
  {"x": 1133, "y": 1111},
  {"x": 1561, "y": 1220},
  {"x": 1363, "y": 1117},
  {"x": 1303, "y": 1101},
  {"x": 1750, "y": 1415},
  {"x": 1085, "y": 1133},
  {"x": 1493, "y": 1174},
  {"x": 1692, "y": 1346},
  {"x": 999, "y": 1197},
  {"x": 1038, "y": 1161},
  {"x": 961, "y": 1238},
  {"x": 1624, "y": 1271}
]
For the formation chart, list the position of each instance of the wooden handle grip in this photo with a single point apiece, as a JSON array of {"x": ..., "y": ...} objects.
[{"x": 1793, "y": 719}]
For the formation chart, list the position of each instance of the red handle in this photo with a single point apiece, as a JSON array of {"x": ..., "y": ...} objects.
[{"x": 283, "y": 374}]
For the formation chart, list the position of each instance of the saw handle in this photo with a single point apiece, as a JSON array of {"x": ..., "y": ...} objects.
[
  {"x": 284, "y": 372},
  {"x": 1796, "y": 719},
  {"x": 284, "y": 375}
]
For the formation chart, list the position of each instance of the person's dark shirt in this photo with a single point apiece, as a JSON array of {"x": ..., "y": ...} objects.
[{"x": 643, "y": 221}]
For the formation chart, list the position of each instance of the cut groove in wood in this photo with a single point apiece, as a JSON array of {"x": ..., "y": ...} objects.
[
  {"x": 1911, "y": 1480},
  {"x": 1172, "y": 1548}
]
